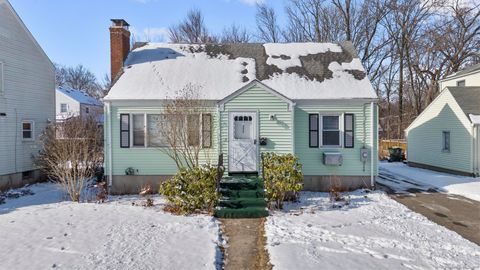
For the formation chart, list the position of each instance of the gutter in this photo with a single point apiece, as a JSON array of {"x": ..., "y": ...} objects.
[
  {"x": 109, "y": 141},
  {"x": 372, "y": 127}
]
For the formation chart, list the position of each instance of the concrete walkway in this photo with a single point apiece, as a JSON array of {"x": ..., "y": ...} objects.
[
  {"x": 246, "y": 244},
  {"x": 454, "y": 212}
]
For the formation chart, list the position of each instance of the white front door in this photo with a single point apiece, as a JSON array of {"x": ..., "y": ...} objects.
[{"x": 242, "y": 142}]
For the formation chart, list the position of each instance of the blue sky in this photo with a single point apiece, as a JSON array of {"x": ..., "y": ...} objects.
[{"x": 76, "y": 31}]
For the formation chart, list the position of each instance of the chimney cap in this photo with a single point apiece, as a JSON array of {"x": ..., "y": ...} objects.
[{"x": 120, "y": 23}]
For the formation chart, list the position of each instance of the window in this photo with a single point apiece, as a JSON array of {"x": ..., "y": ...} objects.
[
  {"x": 155, "y": 124},
  {"x": 2, "y": 84},
  {"x": 27, "y": 130},
  {"x": 242, "y": 127},
  {"x": 138, "y": 127},
  {"x": 461, "y": 83},
  {"x": 193, "y": 129},
  {"x": 446, "y": 141},
  {"x": 63, "y": 107},
  {"x": 331, "y": 130},
  {"x": 349, "y": 127},
  {"x": 87, "y": 110},
  {"x": 206, "y": 130},
  {"x": 124, "y": 130},
  {"x": 313, "y": 130}
]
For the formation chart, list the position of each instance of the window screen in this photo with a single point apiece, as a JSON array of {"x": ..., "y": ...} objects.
[
  {"x": 156, "y": 123},
  {"x": 206, "y": 130},
  {"x": 138, "y": 129},
  {"x": 446, "y": 141},
  {"x": 330, "y": 130},
  {"x": 63, "y": 107},
  {"x": 349, "y": 131},
  {"x": 193, "y": 129},
  {"x": 27, "y": 130},
  {"x": 313, "y": 130},
  {"x": 124, "y": 130}
]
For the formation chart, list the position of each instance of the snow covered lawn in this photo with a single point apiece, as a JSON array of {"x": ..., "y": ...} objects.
[
  {"x": 373, "y": 232},
  {"x": 42, "y": 231},
  {"x": 461, "y": 185}
]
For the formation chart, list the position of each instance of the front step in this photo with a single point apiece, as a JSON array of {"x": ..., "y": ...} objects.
[
  {"x": 242, "y": 197},
  {"x": 243, "y": 202},
  {"x": 247, "y": 212}
]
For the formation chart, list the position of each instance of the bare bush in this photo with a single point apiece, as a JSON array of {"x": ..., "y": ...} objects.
[{"x": 73, "y": 157}]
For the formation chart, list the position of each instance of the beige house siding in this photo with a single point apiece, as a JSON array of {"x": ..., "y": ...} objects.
[
  {"x": 472, "y": 79},
  {"x": 424, "y": 136}
]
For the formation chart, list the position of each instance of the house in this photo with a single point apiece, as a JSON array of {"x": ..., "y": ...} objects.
[
  {"x": 445, "y": 136},
  {"x": 72, "y": 102},
  {"x": 27, "y": 99},
  {"x": 313, "y": 100}
]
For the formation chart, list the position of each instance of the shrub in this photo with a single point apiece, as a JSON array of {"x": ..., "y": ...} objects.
[
  {"x": 282, "y": 177},
  {"x": 192, "y": 190}
]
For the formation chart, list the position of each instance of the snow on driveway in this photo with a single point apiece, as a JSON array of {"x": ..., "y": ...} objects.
[
  {"x": 40, "y": 232},
  {"x": 468, "y": 187},
  {"x": 373, "y": 232}
]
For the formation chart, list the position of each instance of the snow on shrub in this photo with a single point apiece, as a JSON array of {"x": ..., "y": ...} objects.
[
  {"x": 192, "y": 190},
  {"x": 283, "y": 177}
]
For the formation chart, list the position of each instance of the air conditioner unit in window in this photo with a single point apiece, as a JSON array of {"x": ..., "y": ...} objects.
[{"x": 332, "y": 158}]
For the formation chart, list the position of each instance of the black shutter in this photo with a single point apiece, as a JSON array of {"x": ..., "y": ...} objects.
[
  {"x": 313, "y": 130},
  {"x": 349, "y": 127},
  {"x": 124, "y": 130}
]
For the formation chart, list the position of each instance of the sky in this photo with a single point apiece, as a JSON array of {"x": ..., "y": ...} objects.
[{"x": 75, "y": 32}]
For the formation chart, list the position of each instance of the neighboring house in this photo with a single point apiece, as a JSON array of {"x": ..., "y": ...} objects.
[
  {"x": 467, "y": 77},
  {"x": 71, "y": 102},
  {"x": 27, "y": 99},
  {"x": 308, "y": 99},
  {"x": 445, "y": 136}
]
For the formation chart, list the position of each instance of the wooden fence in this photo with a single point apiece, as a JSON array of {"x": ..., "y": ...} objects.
[{"x": 383, "y": 146}]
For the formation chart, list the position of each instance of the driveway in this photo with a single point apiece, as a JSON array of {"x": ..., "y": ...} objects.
[{"x": 454, "y": 212}]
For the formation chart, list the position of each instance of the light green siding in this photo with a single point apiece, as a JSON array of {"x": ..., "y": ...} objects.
[
  {"x": 424, "y": 136},
  {"x": 278, "y": 131},
  {"x": 150, "y": 161},
  {"x": 311, "y": 158}
]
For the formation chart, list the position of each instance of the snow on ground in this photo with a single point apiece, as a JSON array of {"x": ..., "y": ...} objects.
[
  {"x": 42, "y": 231},
  {"x": 468, "y": 187},
  {"x": 373, "y": 232}
]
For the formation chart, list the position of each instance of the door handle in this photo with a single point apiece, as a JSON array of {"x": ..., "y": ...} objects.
[{"x": 255, "y": 141}]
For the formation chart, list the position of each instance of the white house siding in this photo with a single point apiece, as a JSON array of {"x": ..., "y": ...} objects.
[
  {"x": 472, "y": 79},
  {"x": 424, "y": 136},
  {"x": 73, "y": 106},
  {"x": 29, "y": 93}
]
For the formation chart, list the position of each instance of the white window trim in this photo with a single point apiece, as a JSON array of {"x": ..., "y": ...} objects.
[
  {"x": 145, "y": 130},
  {"x": 340, "y": 128},
  {"x": 32, "y": 126}
]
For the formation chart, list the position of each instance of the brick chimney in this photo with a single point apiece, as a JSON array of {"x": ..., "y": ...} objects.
[{"x": 119, "y": 45}]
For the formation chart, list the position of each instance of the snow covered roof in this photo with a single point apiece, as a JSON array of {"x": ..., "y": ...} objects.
[
  {"x": 79, "y": 96},
  {"x": 295, "y": 70}
]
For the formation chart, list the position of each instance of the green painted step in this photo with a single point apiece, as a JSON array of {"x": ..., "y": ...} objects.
[
  {"x": 247, "y": 212},
  {"x": 258, "y": 193},
  {"x": 242, "y": 185},
  {"x": 243, "y": 202}
]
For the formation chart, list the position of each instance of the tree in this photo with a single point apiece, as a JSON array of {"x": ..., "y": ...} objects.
[
  {"x": 235, "y": 34},
  {"x": 191, "y": 30},
  {"x": 267, "y": 25},
  {"x": 72, "y": 152},
  {"x": 79, "y": 78},
  {"x": 184, "y": 127}
]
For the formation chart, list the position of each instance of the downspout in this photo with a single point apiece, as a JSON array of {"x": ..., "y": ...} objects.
[
  {"x": 372, "y": 128},
  {"x": 476, "y": 149},
  {"x": 219, "y": 125},
  {"x": 292, "y": 107},
  {"x": 109, "y": 139}
]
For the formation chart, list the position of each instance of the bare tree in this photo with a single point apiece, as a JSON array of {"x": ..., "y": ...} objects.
[
  {"x": 191, "y": 30},
  {"x": 184, "y": 127},
  {"x": 267, "y": 25},
  {"x": 79, "y": 78},
  {"x": 235, "y": 34},
  {"x": 72, "y": 152}
]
